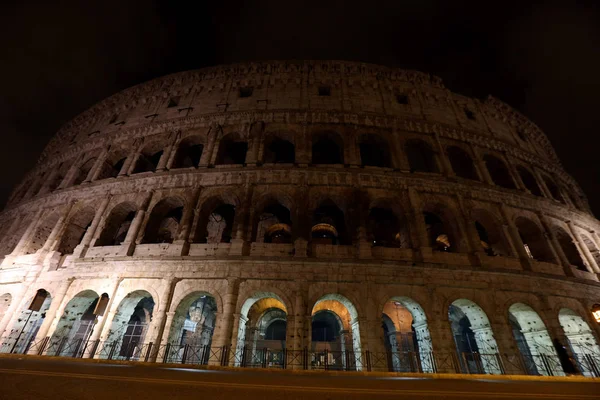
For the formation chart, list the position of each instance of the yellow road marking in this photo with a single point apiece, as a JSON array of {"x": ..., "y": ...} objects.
[{"x": 296, "y": 388}]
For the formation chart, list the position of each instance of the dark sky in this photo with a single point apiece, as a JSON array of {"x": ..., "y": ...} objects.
[{"x": 59, "y": 58}]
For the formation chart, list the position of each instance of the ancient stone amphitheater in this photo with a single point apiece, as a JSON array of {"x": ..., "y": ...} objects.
[{"x": 311, "y": 214}]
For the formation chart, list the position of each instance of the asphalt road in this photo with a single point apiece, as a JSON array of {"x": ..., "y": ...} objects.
[{"x": 42, "y": 379}]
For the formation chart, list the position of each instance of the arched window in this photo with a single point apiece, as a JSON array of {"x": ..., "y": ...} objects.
[
  {"x": 58, "y": 177},
  {"x": 189, "y": 152},
  {"x": 554, "y": 191},
  {"x": 273, "y": 224},
  {"x": 461, "y": 162},
  {"x": 232, "y": 150},
  {"x": 84, "y": 170},
  {"x": 164, "y": 221},
  {"x": 499, "y": 172},
  {"x": 374, "y": 151},
  {"x": 420, "y": 156},
  {"x": 490, "y": 233},
  {"x": 215, "y": 224},
  {"x": 279, "y": 150},
  {"x": 535, "y": 242},
  {"x": 327, "y": 148},
  {"x": 41, "y": 233},
  {"x": 117, "y": 225},
  {"x": 570, "y": 249},
  {"x": 384, "y": 229},
  {"x": 529, "y": 181},
  {"x": 329, "y": 226},
  {"x": 440, "y": 238},
  {"x": 75, "y": 229},
  {"x": 148, "y": 158}
]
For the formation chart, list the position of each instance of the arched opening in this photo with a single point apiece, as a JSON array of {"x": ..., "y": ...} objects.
[
  {"x": 84, "y": 170},
  {"x": 117, "y": 225},
  {"x": 462, "y": 163},
  {"x": 262, "y": 331},
  {"x": 406, "y": 336},
  {"x": 534, "y": 240},
  {"x": 215, "y": 224},
  {"x": 192, "y": 328},
  {"x": 385, "y": 229},
  {"x": 533, "y": 341},
  {"x": 499, "y": 172},
  {"x": 328, "y": 225},
  {"x": 421, "y": 157},
  {"x": 439, "y": 235},
  {"x": 70, "y": 338},
  {"x": 529, "y": 181},
  {"x": 492, "y": 238},
  {"x": 111, "y": 167},
  {"x": 189, "y": 152},
  {"x": 335, "y": 334},
  {"x": 475, "y": 344},
  {"x": 279, "y": 150},
  {"x": 570, "y": 249},
  {"x": 75, "y": 229},
  {"x": 273, "y": 224},
  {"x": 130, "y": 325},
  {"x": 232, "y": 150},
  {"x": 374, "y": 151},
  {"x": 5, "y": 302},
  {"x": 327, "y": 148},
  {"x": 164, "y": 221},
  {"x": 41, "y": 234},
  {"x": 148, "y": 158},
  {"x": 581, "y": 340},
  {"x": 58, "y": 177},
  {"x": 553, "y": 189},
  {"x": 27, "y": 325}
]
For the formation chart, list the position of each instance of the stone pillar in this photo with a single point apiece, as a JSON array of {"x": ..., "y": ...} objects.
[
  {"x": 591, "y": 264},
  {"x": 555, "y": 246},
  {"x": 444, "y": 161},
  {"x": 167, "y": 328},
  {"x": 485, "y": 173},
  {"x": 164, "y": 159},
  {"x": 97, "y": 167},
  {"x": 24, "y": 241},
  {"x": 100, "y": 324},
  {"x": 129, "y": 163},
  {"x": 135, "y": 230},
  {"x": 173, "y": 149},
  {"x": 542, "y": 184},
  {"x": 239, "y": 242},
  {"x": 416, "y": 214},
  {"x": 515, "y": 238},
  {"x": 207, "y": 154},
  {"x": 55, "y": 311},
  {"x": 513, "y": 172},
  {"x": 90, "y": 233},
  {"x": 17, "y": 304},
  {"x": 364, "y": 246},
  {"x": 224, "y": 332},
  {"x": 401, "y": 161},
  {"x": 157, "y": 326},
  {"x": 57, "y": 231}
]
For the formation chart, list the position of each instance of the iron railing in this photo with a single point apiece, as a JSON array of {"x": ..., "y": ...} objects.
[{"x": 306, "y": 359}]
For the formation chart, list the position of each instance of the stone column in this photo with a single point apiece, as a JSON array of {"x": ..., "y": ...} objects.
[
  {"x": 157, "y": 326},
  {"x": 514, "y": 173},
  {"x": 207, "y": 154},
  {"x": 445, "y": 162},
  {"x": 100, "y": 324},
  {"x": 591, "y": 264},
  {"x": 224, "y": 331},
  {"x": 515, "y": 238},
  {"x": 135, "y": 230},
  {"x": 555, "y": 246},
  {"x": 57, "y": 231},
  {"x": 90, "y": 233},
  {"x": 167, "y": 328},
  {"x": 17, "y": 304},
  {"x": 485, "y": 173},
  {"x": 24, "y": 241},
  {"x": 129, "y": 163},
  {"x": 95, "y": 171},
  {"x": 416, "y": 214},
  {"x": 164, "y": 159},
  {"x": 542, "y": 184},
  {"x": 398, "y": 154},
  {"x": 55, "y": 311},
  {"x": 239, "y": 242}
]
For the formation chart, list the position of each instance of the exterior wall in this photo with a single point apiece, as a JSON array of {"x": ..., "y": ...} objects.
[{"x": 285, "y": 101}]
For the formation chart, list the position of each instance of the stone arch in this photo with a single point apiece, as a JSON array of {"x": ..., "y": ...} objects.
[
  {"x": 215, "y": 223},
  {"x": 387, "y": 225},
  {"x": 193, "y": 326},
  {"x": 164, "y": 221},
  {"x": 148, "y": 158},
  {"x": 78, "y": 224},
  {"x": 279, "y": 148},
  {"x": 491, "y": 236},
  {"x": 533, "y": 341},
  {"x": 59, "y": 177},
  {"x": 569, "y": 248},
  {"x": 84, "y": 170},
  {"x": 117, "y": 224},
  {"x": 374, "y": 151},
  {"x": 442, "y": 229},
  {"x": 272, "y": 221},
  {"x": 112, "y": 165},
  {"x": 257, "y": 312},
  {"x": 189, "y": 152},
  {"x": 499, "y": 172},
  {"x": 75, "y": 325},
  {"x": 406, "y": 335},
  {"x": 534, "y": 240},
  {"x": 28, "y": 323},
  {"x": 329, "y": 224},
  {"x": 529, "y": 181},
  {"x": 11, "y": 238},
  {"x": 473, "y": 337},
  {"x": 41, "y": 233},
  {"x": 421, "y": 157},
  {"x": 553, "y": 189},
  {"x": 328, "y": 310},
  {"x": 233, "y": 149},
  {"x": 130, "y": 324},
  {"x": 581, "y": 339},
  {"x": 327, "y": 148},
  {"x": 462, "y": 163}
]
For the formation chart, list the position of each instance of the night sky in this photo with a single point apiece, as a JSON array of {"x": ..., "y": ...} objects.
[{"x": 59, "y": 58}]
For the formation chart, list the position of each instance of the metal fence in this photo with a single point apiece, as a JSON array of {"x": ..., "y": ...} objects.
[{"x": 306, "y": 359}]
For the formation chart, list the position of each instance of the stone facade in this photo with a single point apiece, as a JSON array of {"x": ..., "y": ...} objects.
[{"x": 323, "y": 186}]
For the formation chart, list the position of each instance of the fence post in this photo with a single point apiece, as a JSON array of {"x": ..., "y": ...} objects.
[
  {"x": 148, "y": 350},
  {"x": 112, "y": 350},
  {"x": 305, "y": 358},
  {"x": 368, "y": 360},
  {"x": 43, "y": 345},
  {"x": 94, "y": 348},
  {"x": 223, "y": 356},
  {"x": 593, "y": 366},
  {"x": 185, "y": 353},
  {"x": 285, "y": 358},
  {"x": 500, "y": 364},
  {"x": 326, "y": 359},
  {"x": 167, "y": 353},
  {"x": 264, "y": 358},
  {"x": 60, "y": 346}
]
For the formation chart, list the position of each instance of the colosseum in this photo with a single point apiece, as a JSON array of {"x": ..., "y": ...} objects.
[{"x": 303, "y": 215}]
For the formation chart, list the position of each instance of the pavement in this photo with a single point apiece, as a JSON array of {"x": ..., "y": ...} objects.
[{"x": 42, "y": 378}]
